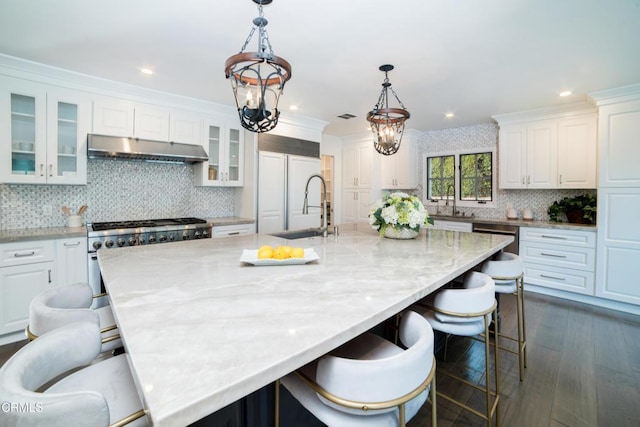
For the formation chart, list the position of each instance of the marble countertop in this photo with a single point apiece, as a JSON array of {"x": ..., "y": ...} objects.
[
  {"x": 518, "y": 222},
  {"x": 46, "y": 233},
  {"x": 229, "y": 220},
  {"x": 203, "y": 330}
]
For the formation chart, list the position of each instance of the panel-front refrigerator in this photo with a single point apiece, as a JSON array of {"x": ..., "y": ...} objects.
[{"x": 281, "y": 185}]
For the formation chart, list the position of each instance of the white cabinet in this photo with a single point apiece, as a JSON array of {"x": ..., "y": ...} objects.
[
  {"x": 559, "y": 259},
  {"x": 117, "y": 117},
  {"x": 577, "y": 152},
  {"x": 527, "y": 155},
  {"x": 398, "y": 171},
  {"x": 225, "y": 145},
  {"x": 356, "y": 205},
  {"x": 357, "y": 165},
  {"x": 618, "y": 266},
  {"x": 26, "y": 269},
  {"x": 71, "y": 260},
  {"x": 232, "y": 230},
  {"x": 452, "y": 225},
  {"x": 551, "y": 148},
  {"x": 46, "y": 130}
]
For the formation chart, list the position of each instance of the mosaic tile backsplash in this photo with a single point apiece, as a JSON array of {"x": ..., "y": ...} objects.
[
  {"x": 486, "y": 136},
  {"x": 115, "y": 190}
]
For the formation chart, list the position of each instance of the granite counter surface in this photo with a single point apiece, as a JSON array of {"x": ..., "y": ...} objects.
[
  {"x": 229, "y": 220},
  {"x": 518, "y": 222},
  {"x": 48, "y": 233},
  {"x": 202, "y": 330}
]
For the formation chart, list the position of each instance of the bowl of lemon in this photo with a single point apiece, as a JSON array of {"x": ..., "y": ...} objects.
[{"x": 278, "y": 255}]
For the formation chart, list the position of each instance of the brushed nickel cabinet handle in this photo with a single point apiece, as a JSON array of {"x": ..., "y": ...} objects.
[
  {"x": 22, "y": 255},
  {"x": 553, "y": 255},
  {"x": 544, "y": 236},
  {"x": 552, "y": 277}
]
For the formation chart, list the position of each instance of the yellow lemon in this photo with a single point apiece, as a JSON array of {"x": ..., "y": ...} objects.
[
  {"x": 265, "y": 252},
  {"x": 264, "y": 247},
  {"x": 280, "y": 253},
  {"x": 297, "y": 253},
  {"x": 287, "y": 250}
]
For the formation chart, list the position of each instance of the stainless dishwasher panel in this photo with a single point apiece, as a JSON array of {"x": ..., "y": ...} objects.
[{"x": 510, "y": 230}]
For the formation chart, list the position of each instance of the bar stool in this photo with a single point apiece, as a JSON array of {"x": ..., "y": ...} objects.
[
  {"x": 507, "y": 271},
  {"x": 369, "y": 381},
  {"x": 467, "y": 311},
  {"x": 102, "y": 394},
  {"x": 67, "y": 304}
]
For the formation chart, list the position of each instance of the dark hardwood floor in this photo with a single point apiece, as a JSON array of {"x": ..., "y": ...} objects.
[{"x": 583, "y": 369}]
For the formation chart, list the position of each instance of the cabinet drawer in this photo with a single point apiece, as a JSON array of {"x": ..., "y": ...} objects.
[
  {"x": 555, "y": 236},
  {"x": 21, "y": 253},
  {"x": 232, "y": 230},
  {"x": 576, "y": 281},
  {"x": 558, "y": 256}
]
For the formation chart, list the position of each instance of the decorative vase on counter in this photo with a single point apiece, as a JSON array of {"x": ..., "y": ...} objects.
[{"x": 400, "y": 233}]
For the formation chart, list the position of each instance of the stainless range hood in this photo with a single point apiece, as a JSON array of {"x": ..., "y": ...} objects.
[{"x": 102, "y": 146}]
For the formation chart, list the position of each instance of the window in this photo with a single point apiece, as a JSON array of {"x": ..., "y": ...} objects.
[{"x": 466, "y": 176}]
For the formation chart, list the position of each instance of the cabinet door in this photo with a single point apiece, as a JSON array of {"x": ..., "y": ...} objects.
[
  {"x": 618, "y": 248},
  {"x": 23, "y": 131},
  {"x": 71, "y": 260},
  {"x": 271, "y": 192},
  {"x": 512, "y": 155},
  {"x": 349, "y": 166},
  {"x": 619, "y": 145},
  {"x": 364, "y": 205},
  {"x": 542, "y": 155},
  {"x": 350, "y": 205},
  {"x": 113, "y": 117},
  {"x": 68, "y": 123},
  {"x": 18, "y": 286},
  {"x": 185, "y": 128},
  {"x": 151, "y": 123},
  {"x": 388, "y": 176},
  {"x": 577, "y": 152},
  {"x": 365, "y": 165},
  {"x": 234, "y": 157}
]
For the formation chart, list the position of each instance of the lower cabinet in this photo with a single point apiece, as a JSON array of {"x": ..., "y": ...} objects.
[
  {"x": 71, "y": 260},
  {"x": 452, "y": 225},
  {"x": 559, "y": 259},
  {"x": 26, "y": 268},
  {"x": 356, "y": 205}
]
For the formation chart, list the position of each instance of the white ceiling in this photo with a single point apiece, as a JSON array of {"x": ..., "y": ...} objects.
[{"x": 474, "y": 58}]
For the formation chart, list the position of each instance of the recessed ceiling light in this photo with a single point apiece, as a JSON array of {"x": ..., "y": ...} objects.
[
  {"x": 565, "y": 93},
  {"x": 146, "y": 71},
  {"x": 448, "y": 115},
  {"x": 293, "y": 107}
]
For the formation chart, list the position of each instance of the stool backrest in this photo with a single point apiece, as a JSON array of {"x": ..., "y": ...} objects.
[
  {"x": 384, "y": 379},
  {"x": 504, "y": 265},
  {"x": 41, "y": 361},
  {"x": 476, "y": 296},
  {"x": 61, "y": 306}
]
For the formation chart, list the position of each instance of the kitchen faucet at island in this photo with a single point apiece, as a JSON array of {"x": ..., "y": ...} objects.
[{"x": 305, "y": 205}]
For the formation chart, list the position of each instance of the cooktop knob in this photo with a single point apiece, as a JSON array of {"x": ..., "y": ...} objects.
[
  {"x": 97, "y": 245},
  {"x": 172, "y": 237},
  {"x": 163, "y": 238},
  {"x": 132, "y": 241},
  {"x": 185, "y": 235},
  {"x": 152, "y": 239},
  {"x": 109, "y": 243},
  {"x": 120, "y": 242},
  {"x": 196, "y": 234}
]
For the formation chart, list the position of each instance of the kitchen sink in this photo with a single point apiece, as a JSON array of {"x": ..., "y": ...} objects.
[{"x": 298, "y": 234}]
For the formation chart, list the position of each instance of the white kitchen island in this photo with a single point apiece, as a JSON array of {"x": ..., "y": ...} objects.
[{"x": 203, "y": 330}]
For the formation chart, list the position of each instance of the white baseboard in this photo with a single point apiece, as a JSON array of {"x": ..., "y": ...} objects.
[{"x": 12, "y": 337}]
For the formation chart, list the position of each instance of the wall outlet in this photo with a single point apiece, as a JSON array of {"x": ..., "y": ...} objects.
[{"x": 47, "y": 210}]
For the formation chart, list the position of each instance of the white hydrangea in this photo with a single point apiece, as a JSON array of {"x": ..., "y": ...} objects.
[{"x": 390, "y": 215}]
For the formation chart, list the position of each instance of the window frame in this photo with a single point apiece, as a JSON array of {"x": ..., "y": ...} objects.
[{"x": 457, "y": 179}]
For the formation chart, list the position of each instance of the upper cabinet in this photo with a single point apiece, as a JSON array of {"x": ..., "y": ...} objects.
[
  {"x": 44, "y": 130},
  {"x": 225, "y": 145},
  {"x": 398, "y": 171},
  {"x": 357, "y": 165},
  {"x": 116, "y": 117},
  {"x": 548, "y": 149}
]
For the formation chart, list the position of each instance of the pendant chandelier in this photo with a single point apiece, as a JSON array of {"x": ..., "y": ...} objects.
[
  {"x": 257, "y": 79},
  {"x": 387, "y": 124}
]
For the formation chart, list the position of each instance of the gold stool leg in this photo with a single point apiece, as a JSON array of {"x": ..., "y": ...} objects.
[
  {"x": 434, "y": 414},
  {"x": 524, "y": 323}
]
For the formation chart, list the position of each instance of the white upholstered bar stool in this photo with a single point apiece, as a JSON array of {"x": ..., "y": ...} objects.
[
  {"x": 67, "y": 304},
  {"x": 467, "y": 311},
  {"x": 370, "y": 381},
  {"x": 102, "y": 394},
  {"x": 507, "y": 272}
]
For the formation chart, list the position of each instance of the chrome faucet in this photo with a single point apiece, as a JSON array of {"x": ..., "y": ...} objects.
[
  {"x": 452, "y": 188},
  {"x": 305, "y": 205}
]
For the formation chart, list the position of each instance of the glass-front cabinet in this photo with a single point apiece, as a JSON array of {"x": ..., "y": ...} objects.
[
  {"x": 44, "y": 134},
  {"x": 225, "y": 145}
]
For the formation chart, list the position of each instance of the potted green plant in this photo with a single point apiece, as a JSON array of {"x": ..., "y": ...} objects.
[{"x": 577, "y": 209}]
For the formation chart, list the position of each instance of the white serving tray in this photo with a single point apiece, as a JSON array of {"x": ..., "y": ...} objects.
[{"x": 250, "y": 256}]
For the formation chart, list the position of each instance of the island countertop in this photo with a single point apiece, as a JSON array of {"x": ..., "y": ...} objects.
[{"x": 203, "y": 330}]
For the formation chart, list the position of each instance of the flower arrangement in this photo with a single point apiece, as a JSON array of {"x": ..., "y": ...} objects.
[{"x": 398, "y": 210}]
